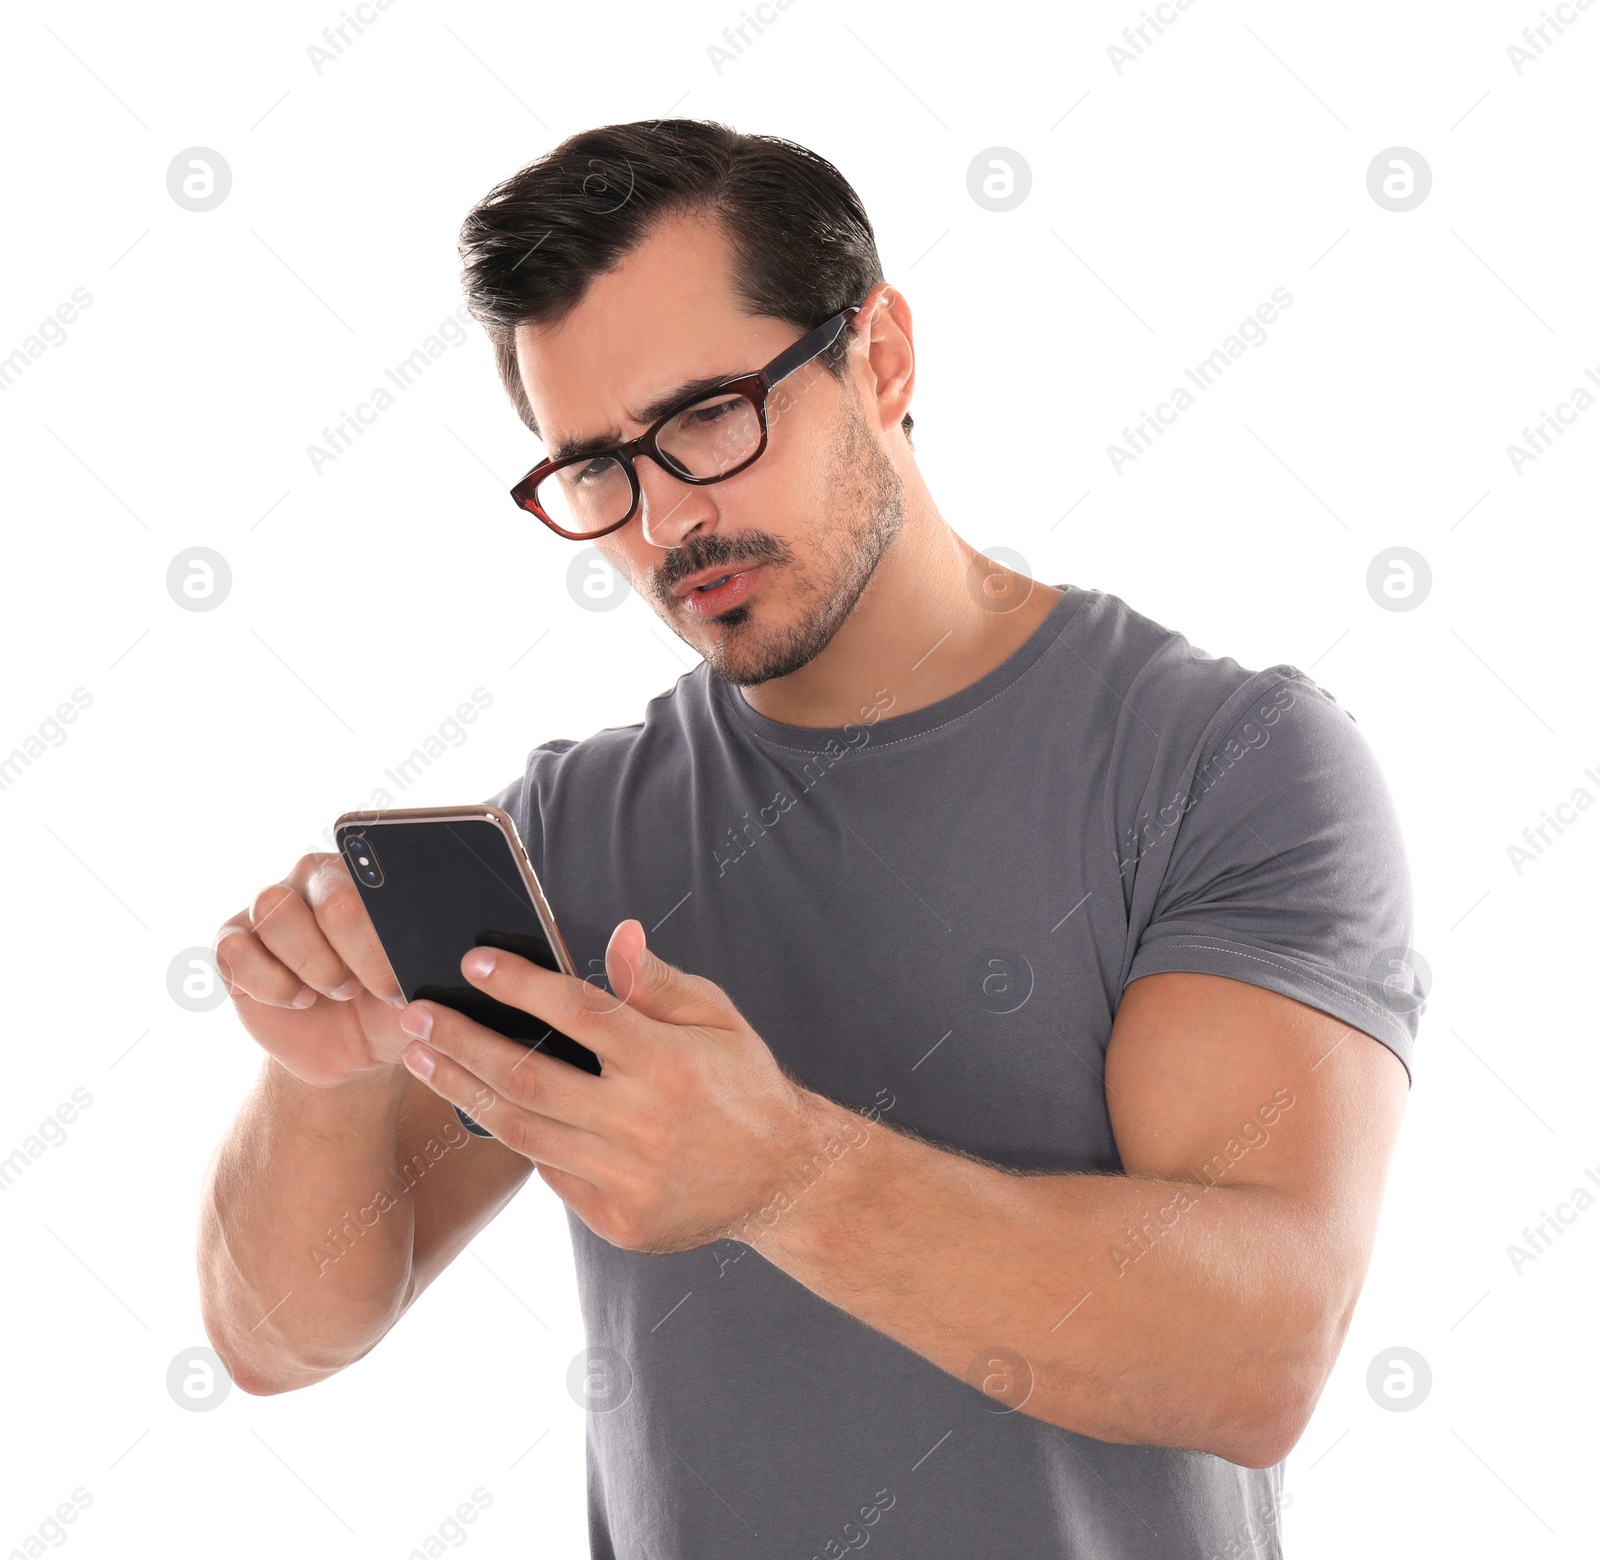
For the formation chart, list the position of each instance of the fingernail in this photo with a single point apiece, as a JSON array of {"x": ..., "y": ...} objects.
[
  {"x": 417, "y": 1021},
  {"x": 419, "y": 1060},
  {"x": 303, "y": 998},
  {"x": 479, "y": 962},
  {"x": 346, "y": 989}
]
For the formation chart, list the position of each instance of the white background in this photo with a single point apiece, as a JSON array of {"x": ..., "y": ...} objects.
[{"x": 369, "y": 600}]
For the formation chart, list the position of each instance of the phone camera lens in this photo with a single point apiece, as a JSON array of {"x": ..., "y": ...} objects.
[{"x": 363, "y": 860}]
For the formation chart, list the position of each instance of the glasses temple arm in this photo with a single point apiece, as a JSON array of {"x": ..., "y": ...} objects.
[{"x": 811, "y": 345}]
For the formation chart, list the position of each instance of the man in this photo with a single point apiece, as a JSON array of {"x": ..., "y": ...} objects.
[{"x": 992, "y": 1129}]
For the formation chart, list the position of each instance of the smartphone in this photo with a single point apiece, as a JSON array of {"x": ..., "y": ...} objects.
[{"x": 437, "y": 881}]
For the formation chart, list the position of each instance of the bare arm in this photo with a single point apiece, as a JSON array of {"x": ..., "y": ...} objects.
[
  {"x": 343, "y": 1188},
  {"x": 1198, "y": 1301}
]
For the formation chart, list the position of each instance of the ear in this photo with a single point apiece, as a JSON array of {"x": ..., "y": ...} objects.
[{"x": 890, "y": 354}]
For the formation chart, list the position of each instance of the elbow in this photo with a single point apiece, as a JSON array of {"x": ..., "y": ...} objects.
[
  {"x": 1266, "y": 1422},
  {"x": 1261, "y": 1432},
  {"x": 268, "y": 1357},
  {"x": 1247, "y": 1399},
  {"x": 260, "y": 1383},
  {"x": 1264, "y": 1445},
  {"x": 258, "y": 1371},
  {"x": 1280, "y": 1379},
  {"x": 267, "y": 1366},
  {"x": 1254, "y": 1424},
  {"x": 264, "y": 1376}
]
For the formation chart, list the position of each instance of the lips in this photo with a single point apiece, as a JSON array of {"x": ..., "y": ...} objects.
[
  {"x": 711, "y": 592},
  {"x": 704, "y": 577}
]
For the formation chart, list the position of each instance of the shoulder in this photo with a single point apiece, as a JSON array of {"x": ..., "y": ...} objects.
[
  {"x": 1204, "y": 756},
  {"x": 1157, "y": 690},
  {"x": 1257, "y": 837},
  {"x": 617, "y": 759}
]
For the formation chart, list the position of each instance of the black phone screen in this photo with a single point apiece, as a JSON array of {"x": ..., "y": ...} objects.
[{"x": 444, "y": 886}]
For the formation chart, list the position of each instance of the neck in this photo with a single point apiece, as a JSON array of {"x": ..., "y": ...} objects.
[{"x": 935, "y": 617}]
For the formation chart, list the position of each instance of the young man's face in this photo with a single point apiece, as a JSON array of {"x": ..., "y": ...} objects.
[{"x": 797, "y": 535}]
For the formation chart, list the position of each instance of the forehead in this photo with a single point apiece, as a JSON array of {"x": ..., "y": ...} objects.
[{"x": 665, "y": 315}]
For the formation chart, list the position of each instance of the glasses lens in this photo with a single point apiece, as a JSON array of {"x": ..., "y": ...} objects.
[
  {"x": 713, "y": 436},
  {"x": 586, "y": 496}
]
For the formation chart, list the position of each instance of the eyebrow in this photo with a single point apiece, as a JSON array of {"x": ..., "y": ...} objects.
[{"x": 646, "y": 415}]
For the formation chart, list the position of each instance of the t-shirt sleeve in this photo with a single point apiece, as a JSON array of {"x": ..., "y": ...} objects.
[
  {"x": 521, "y": 798},
  {"x": 511, "y": 798},
  {"x": 1272, "y": 854}
]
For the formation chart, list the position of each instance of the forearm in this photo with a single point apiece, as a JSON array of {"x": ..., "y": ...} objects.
[
  {"x": 1173, "y": 1313},
  {"x": 306, "y": 1232}
]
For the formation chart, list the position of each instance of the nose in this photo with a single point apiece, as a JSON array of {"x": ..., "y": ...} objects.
[{"x": 670, "y": 511}]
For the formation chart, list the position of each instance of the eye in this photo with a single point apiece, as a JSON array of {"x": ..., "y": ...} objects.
[
  {"x": 711, "y": 411},
  {"x": 590, "y": 470}
]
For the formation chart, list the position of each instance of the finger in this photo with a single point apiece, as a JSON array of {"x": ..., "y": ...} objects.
[
  {"x": 520, "y": 1074},
  {"x": 249, "y": 970},
  {"x": 539, "y": 1138},
  {"x": 588, "y": 1014},
  {"x": 287, "y": 929},
  {"x": 581, "y": 1196},
  {"x": 660, "y": 990},
  {"x": 342, "y": 920}
]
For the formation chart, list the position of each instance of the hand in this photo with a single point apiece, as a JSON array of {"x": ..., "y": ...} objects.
[
  {"x": 691, "y": 1129},
  {"x": 309, "y": 978}
]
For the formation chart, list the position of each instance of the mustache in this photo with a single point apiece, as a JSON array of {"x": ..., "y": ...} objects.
[{"x": 716, "y": 552}]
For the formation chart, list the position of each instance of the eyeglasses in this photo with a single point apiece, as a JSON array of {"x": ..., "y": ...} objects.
[{"x": 710, "y": 436}]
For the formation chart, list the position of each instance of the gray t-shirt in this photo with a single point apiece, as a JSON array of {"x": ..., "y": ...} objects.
[{"x": 931, "y": 917}]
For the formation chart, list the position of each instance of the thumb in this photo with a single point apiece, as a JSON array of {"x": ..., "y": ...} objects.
[{"x": 657, "y": 989}]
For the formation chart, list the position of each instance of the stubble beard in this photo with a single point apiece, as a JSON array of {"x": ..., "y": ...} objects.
[{"x": 870, "y": 496}]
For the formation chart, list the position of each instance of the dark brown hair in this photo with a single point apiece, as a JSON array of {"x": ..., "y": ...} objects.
[{"x": 802, "y": 245}]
